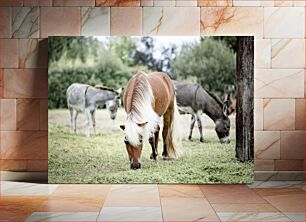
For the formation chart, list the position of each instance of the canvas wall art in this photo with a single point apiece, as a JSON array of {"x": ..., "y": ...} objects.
[{"x": 151, "y": 109}]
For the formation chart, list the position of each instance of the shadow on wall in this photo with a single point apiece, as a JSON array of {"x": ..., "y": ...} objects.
[{"x": 24, "y": 147}]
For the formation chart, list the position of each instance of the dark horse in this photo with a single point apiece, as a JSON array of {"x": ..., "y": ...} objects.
[
  {"x": 147, "y": 98},
  {"x": 194, "y": 100}
]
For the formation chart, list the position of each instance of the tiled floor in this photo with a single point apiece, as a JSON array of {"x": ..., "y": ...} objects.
[{"x": 270, "y": 201}]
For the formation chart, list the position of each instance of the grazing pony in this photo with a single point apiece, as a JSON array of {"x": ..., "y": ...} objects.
[
  {"x": 193, "y": 99},
  {"x": 147, "y": 98},
  {"x": 83, "y": 98}
]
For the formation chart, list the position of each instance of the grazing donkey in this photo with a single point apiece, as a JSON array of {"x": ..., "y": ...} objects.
[
  {"x": 194, "y": 100},
  {"x": 83, "y": 98}
]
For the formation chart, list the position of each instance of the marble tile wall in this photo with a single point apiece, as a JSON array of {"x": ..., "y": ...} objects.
[{"x": 280, "y": 83}]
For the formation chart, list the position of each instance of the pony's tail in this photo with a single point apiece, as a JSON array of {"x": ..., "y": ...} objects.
[{"x": 174, "y": 135}]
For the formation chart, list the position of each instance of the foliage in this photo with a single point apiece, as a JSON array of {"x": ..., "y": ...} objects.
[
  {"x": 211, "y": 63},
  {"x": 111, "y": 63}
]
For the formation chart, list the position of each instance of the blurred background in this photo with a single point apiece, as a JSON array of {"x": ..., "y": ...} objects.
[{"x": 111, "y": 61}]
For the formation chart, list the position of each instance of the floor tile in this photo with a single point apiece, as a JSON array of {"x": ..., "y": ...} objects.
[
  {"x": 9, "y": 188},
  {"x": 14, "y": 208},
  {"x": 187, "y": 209},
  {"x": 291, "y": 202},
  {"x": 133, "y": 196},
  {"x": 230, "y": 194},
  {"x": 276, "y": 184},
  {"x": 130, "y": 214},
  {"x": 63, "y": 216},
  {"x": 71, "y": 204},
  {"x": 296, "y": 216},
  {"x": 190, "y": 191},
  {"x": 274, "y": 216},
  {"x": 244, "y": 207},
  {"x": 82, "y": 190}
]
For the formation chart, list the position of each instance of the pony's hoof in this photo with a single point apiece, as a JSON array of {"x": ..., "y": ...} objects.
[
  {"x": 166, "y": 158},
  {"x": 189, "y": 137},
  {"x": 201, "y": 140},
  {"x": 153, "y": 157}
]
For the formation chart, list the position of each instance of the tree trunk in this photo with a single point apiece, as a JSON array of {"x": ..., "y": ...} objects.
[{"x": 245, "y": 99}]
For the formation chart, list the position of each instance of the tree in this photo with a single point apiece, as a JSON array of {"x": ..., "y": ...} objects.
[
  {"x": 210, "y": 63},
  {"x": 245, "y": 99}
]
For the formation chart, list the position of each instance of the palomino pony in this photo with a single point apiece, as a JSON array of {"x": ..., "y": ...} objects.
[
  {"x": 147, "y": 98},
  {"x": 194, "y": 100},
  {"x": 83, "y": 98}
]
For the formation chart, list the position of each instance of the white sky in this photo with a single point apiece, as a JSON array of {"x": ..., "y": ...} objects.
[{"x": 164, "y": 41}]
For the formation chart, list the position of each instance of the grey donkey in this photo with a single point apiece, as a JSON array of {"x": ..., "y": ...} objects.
[
  {"x": 193, "y": 99},
  {"x": 83, "y": 98}
]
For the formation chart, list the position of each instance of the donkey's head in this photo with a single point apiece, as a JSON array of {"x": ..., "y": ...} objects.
[
  {"x": 222, "y": 128},
  {"x": 223, "y": 124},
  {"x": 134, "y": 142},
  {"x": 112, "y": 98}
]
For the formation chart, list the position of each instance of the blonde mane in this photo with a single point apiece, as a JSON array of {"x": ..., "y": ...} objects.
[{"x": 141, "y": 112}]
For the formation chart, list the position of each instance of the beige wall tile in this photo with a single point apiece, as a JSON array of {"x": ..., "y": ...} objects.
[
  {"x": 118, "y": 3},
  {"x": 24, "y": 145},
  {"x": 300, "y": 114},
  {"x": 267, "y": 145},
  {"x": 37, "y": 165},
  {"x": 37, "y": 2},
  {"x": 232, "y": 21},
  {"x": 220, "y": 3},
  {"x": 33, "y": 53},
  {"x": 25, "y": 83},
  {"x": 284, "y": 3},
  {"x": 73, "y": 2},
  {"x": 292, "y": 145},
  {"x": 279, "y": 83},
  {"x": 43, "y": 114},
  {"x": 263, "y": 165},
  {"x": 305, "y": 83},
  {"x": 171, "y": 21},
  {"x": 279, "y": 114},
  {"x": 5, "y": 3},
  {"x": 284, "y": 22},
  {"x": 8, "y": 53},
  {"x": 284, "y": 50},
  {"x": 258, "y": 114},
  {"x": 95, "y": 21},
  {"x": 163, "y": 3},
  {"x": 289, "y": 165},
  {"x": 28, "y": 114},
  {"x": 5, "y": 22},
  {"x": 266, "y": 3},
  {"x": 8, "y": 114},
  {"x": 299, "y": 3},
  {"x": 55, "y": 21},
  {"x": 186, "y": 3},
  {"x": 126, "y": 20},
  {"x": 13, "y": 165},
  {"x": 262, "y": 53},
  {"x": 249, "y": 3},
  {"x": 25, "y": 22},
  {"x": 146, "y": 2}
]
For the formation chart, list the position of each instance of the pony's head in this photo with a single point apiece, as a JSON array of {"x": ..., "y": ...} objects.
[{"x": 133, "y": 140}]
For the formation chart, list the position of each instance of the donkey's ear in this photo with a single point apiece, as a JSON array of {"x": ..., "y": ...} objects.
[
  {"x": 225, "y": 109},
  {"x": 122, "y": 127},
  {"x": 142, "y": 124}
]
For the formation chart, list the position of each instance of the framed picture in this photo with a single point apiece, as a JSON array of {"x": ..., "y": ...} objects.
[{"x": 140, "y": 109}]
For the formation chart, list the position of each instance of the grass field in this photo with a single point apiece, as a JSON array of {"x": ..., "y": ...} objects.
[{"x": 102, "y": 158}]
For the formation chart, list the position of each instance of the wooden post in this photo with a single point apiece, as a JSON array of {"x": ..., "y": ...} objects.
[{"x": 245, "y": 99}]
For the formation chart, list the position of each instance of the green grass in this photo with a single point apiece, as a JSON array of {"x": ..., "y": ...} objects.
[{"x": 103, "y": 159}]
